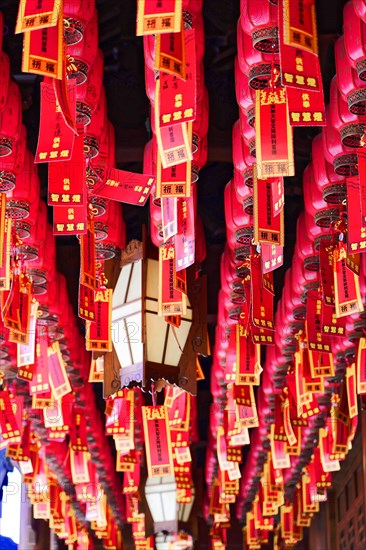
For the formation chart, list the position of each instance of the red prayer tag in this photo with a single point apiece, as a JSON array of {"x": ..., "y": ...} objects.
[
  {"x": 43, "y": 50},
  {"x": 171, "y": 301},
  {"x": 174, "y": 181},
  {"x": 67, "y": 180},
  {"x": 306, "y": 107},
  {"x": 69, "y": 220},
  {"x": 78, "y": 433},
  {"x": 268, "y": 228},
  {"x": 346, "y": 285},
  {"x": 248, "y": 366},
  {"x": 299, "y": 24},
  {"x": 123, "y": 186},
  {"x": 55, "y": 138},
  {"x": 274, "y": 147},
  {"x": 86, "y": 302},
  {"x": 169, "y": 217},
  {"x": 170, "y": 54},
  {"x": 159, "y": 455},
  {"x": 326, "y": 272},
  {"x": 351, "y": 385},
  {"x": 65, "y": 92},
  {"x": 9, "y": 429},
  {"x": 278, "y": 195},
  {"x": 99, "y": 332},
  {"x": 37, "y": 14},
  {"x": 184, "y": 241},
  {"x": 5, "y": 256},
  {"x": 272, "y": 257},
  {"x": 156, "y": 17},
  {"x": 59, "y": 381},
  {"x": 87, "y": 256},
  {"x": 361, "y": 153},
  {"x": 356, "y": 226},
  {"x": 316, "y": 339},
  {"x": 361, "y": 366},
  {"x": 177, "y": 97},
  {"x": 26, "y": 351},
  {"x": 262, "y": 304}
]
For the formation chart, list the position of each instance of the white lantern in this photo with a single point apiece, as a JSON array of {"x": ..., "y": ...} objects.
[{"x": 161, "y": 496}]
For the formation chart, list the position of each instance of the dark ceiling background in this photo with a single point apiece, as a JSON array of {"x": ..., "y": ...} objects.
[{"x": 128, "y": 110}]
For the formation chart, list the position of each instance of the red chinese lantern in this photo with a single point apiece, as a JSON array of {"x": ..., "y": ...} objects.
[
  {"x": 355, "y": 39},
  {"x": 43, "y": 268},
  {"x": 260, "y": 20},
  {"x": 231, "y": 283},
  {"x": 343, "y": 158},
  {"x": 116, "y": 239},
  {"x": 248, "y": 133},
  {"x": 96, "y": 169},
  {"x": 244, "y": 94},
  {"x": 26, "y": 192},
  {"x": 239, "y": 224},
  {"x": 302, "y": 280},
  {"x": 331, "y": 185},
  {"x": 97, "y": 129},
  {"x": 348, "y": 125},
  {"x": 11, "y": 165},
  {"x": 320, "y": 211},
  {"x": 304, "y": 247},
  {"x": 83, "y": 53},
  {"x": 257, "y": 65},
  {"x": 48, "y": 302},
  {"x": 110, "y": 232},
  {"x": 349, "y": 84},
  {"x": 88, "y": 93},
  {"x": 30, "y": 248},
  {"x": 10, "y": 120},
  {"x": 199, "y": 158},
  {"x": 77, "y": 14}
]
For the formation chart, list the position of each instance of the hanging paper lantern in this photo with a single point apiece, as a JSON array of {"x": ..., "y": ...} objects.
[
  {"x": 332, "y": 186},
  {"x": 48, "y": 302},
  {"x": 26, "y": 192},
  {"x": 349, "y": 84},
  {"x": 349, "y": 126},
  {"x": 343, "y": 158},
  {"x": 10, "y": 120},
  {"x": 96, "y": 169},
  {"x": 257, "y": 65},
  {"x": 30, "y": 247},
  {"x": 97, "y": 129},
  {"x": 304, "y": 247},
  {"x": 239, "y": 224},
  {"x": 77, "y": 14},
  {"x": 11, "y": 165},
  {"x": 260, "y": 20},
  {"x": 248, "y": 134},
  {"x": 88, "y": 93},
  {"x": 84, "y": 52},
  {"x": 354, "y": 39},
  {"x": 43, "y": 268},
  {"x": 231, "y": 283},
  {"x": 103, "y": 222},
  {"x": 112, "y": 245},
  {"x": 244, "y": 94},
  {"x": 322, "y": 212}
]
